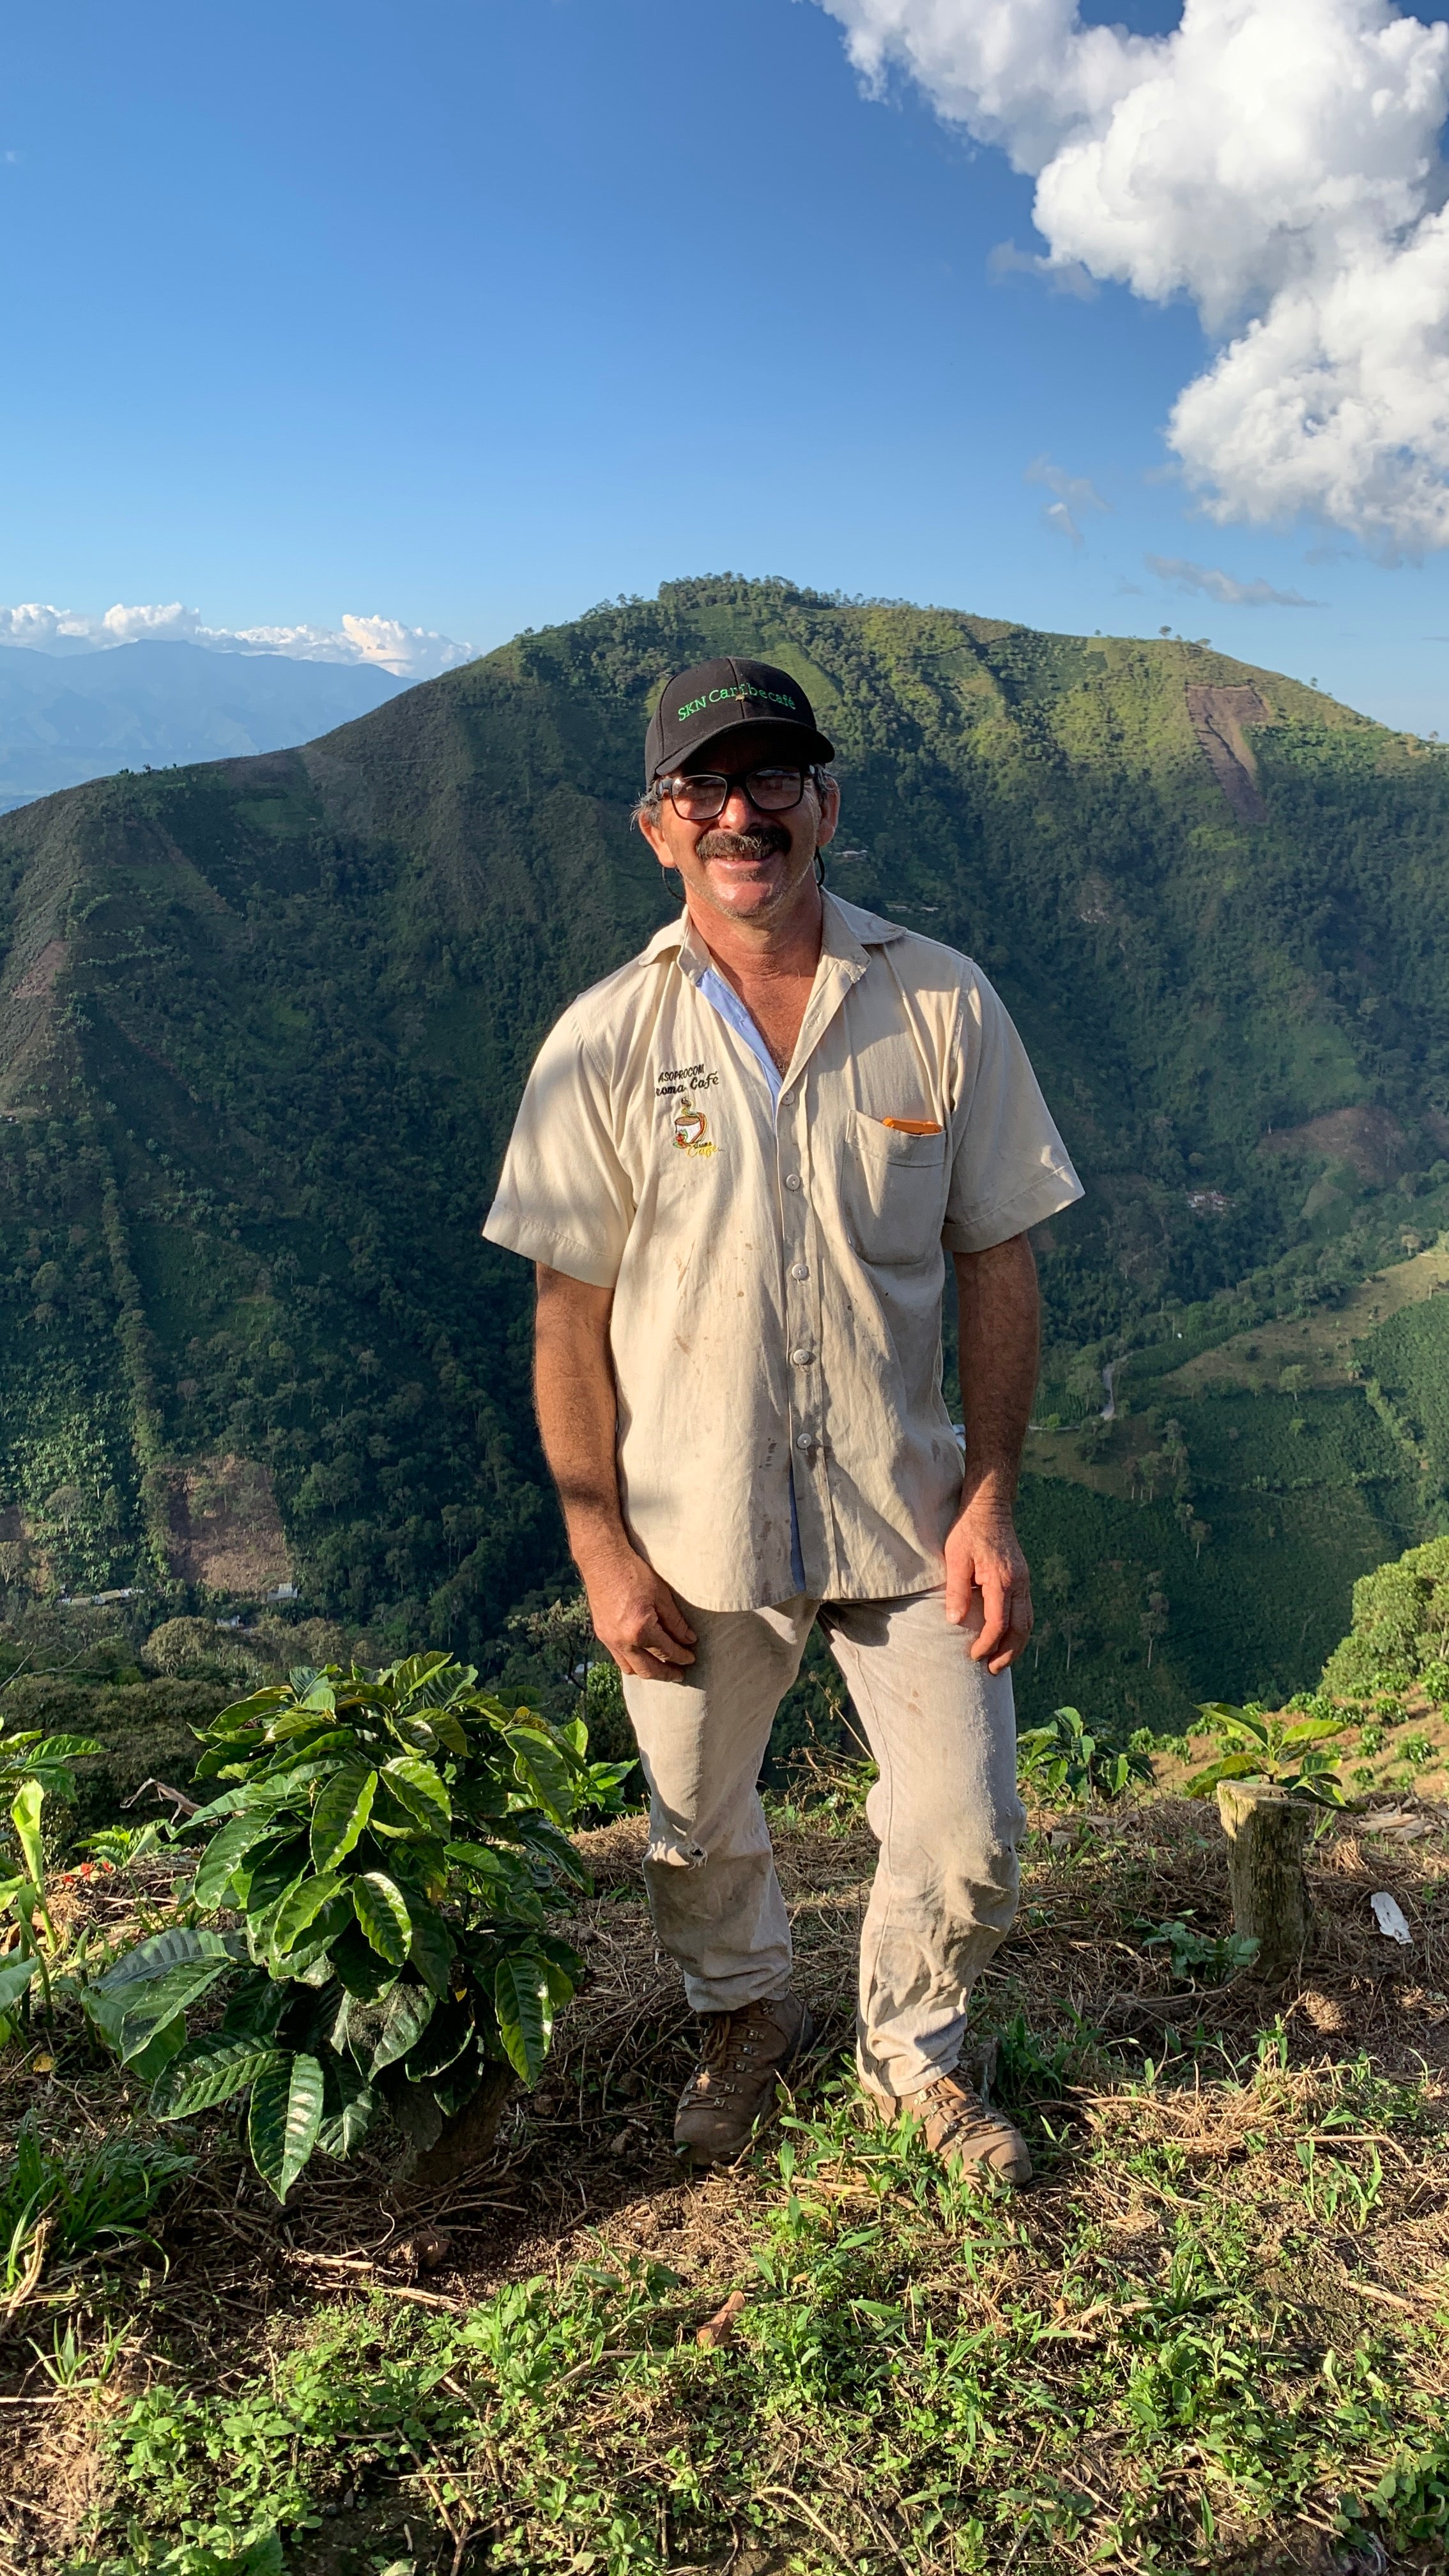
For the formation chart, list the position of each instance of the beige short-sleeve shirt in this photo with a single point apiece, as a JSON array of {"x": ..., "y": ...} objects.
[{"x": 777, "y": 1272}]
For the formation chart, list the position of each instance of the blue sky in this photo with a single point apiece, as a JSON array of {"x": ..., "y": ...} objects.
[{"x": 473, "y": 313}]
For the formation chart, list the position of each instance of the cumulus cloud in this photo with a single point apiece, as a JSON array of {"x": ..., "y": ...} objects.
[
  {"x": 409, "y": 652},
  {"x": 1075, "y": 496},
  {"x": 1277, "y": 162},
  {"x": 1221, "y": 586}
]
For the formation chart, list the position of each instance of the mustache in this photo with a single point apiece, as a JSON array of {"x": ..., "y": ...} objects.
[{"x": 759, "y": 844}]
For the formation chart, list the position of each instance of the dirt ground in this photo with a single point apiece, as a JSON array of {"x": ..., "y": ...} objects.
[{"x": 587, "y": 2161}]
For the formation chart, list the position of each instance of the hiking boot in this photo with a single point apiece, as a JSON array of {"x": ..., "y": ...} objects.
[
  {"x": 960, "y": 2128},
  {"x": 740, "y": 2063}
]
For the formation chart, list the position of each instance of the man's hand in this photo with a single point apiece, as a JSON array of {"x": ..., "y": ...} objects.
[
  {"x": 988, "y": 1587},
  {"x": 637, "y": 1617},
  {"x": 635, "y": 1614}
]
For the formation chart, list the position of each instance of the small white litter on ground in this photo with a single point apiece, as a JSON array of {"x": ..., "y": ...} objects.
[{"x": 1390, "y": 1917}]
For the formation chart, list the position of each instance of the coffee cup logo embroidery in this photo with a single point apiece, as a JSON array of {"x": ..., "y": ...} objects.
[{"x": 691, "y": 1129}]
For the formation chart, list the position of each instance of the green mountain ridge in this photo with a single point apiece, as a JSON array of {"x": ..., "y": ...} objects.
[{"x": 263, "y": 1024}]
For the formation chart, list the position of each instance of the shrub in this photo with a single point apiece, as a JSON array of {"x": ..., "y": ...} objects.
[
  {"x": 1060, "y": 1763},
  {"x": 391, "y": 1842},
  {"x": 1400, "y": 1632}
]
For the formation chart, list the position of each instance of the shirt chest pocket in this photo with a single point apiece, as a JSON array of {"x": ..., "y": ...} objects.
[{"x": 893, "y": 1191}]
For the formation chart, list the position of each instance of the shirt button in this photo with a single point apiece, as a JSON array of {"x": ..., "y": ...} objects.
[
  {"x": 800, "y": 1270},
  {"x": 802, "y": 1359},
  {"x": 803, "y": 1440},
  {"x": 792, "y": 1180}
]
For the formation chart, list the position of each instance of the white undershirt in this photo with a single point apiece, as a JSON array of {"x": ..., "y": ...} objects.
[{"x": 729, "y": 1006}]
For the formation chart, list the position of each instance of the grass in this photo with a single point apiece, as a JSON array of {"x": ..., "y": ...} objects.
[{"x": 1210, "y": 2336}]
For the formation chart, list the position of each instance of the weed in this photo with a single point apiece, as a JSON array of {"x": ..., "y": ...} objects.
[
  {"x": 1221, "y": 1954},
  {"x": 79, "y": 2204}
]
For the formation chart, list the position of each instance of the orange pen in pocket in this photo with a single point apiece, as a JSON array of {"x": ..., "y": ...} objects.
[{"x": 914, "y": 1126}]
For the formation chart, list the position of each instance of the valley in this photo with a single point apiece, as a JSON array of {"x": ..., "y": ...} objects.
[{"x": 263, "y": 1023}]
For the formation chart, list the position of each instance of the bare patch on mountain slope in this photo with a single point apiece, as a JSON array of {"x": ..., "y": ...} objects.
[
  {"x": 38, "y": 981},
  {"x": 1368, "y": 1139},
  {"x": 1217, "y": 716},
  {"x": 224, "y": 1528}
]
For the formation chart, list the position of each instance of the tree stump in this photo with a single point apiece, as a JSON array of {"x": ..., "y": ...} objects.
[{"x": 1267, "y": 1835}]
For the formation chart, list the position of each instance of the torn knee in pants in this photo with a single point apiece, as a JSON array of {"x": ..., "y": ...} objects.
[{"x": 683, "y": 1853}]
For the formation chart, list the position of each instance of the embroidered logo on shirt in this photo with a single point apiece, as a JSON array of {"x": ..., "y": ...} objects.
[
  {"x": 677, "y": 1078},
  {"x": 691, "y": 1129}
]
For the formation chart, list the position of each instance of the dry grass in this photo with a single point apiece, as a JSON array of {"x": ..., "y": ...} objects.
[{"x": 587, "y": 2162}]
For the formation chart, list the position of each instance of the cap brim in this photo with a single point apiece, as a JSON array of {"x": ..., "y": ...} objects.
[{"x": 805, "y": 740}]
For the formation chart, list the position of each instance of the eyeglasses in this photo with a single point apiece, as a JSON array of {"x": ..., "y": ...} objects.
[{"x": 703, "y": 796}]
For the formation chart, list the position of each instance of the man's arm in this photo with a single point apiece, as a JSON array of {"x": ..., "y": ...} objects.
[
  {"x": 988, "y": 1587},
  {"x": 634, "y": 1614}
]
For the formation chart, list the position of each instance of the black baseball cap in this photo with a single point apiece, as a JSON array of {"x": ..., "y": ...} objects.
[{"x": 714, "y": 698}]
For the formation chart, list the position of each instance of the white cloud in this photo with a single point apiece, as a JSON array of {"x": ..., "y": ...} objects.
[
  {"x": 409, "y": 652},
  {"x": 1075, "y": 496},
  {"x": 1276, "y": 161},
  {"x": 1222, "y": 586}
]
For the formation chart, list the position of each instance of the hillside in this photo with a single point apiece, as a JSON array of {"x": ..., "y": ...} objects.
[{"x": 263, "y": 1023}]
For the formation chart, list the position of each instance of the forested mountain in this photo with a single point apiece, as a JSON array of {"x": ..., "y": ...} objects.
[{"x": 263, "y": 1024}]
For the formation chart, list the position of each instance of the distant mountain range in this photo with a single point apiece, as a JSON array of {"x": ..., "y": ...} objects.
[
  {"x": 82, "y": 715},
  {"x": 263, "y": 1025}
]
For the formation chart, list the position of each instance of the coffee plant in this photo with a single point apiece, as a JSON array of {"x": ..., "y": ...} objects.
[
  {"x": 392, "y": 1843},
  {"x": 1282, "y": 1751},
  {"x": 32, "y": 1767}
]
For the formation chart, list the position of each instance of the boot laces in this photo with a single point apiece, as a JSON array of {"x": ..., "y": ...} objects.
[{"x": 727, "y": 2044}]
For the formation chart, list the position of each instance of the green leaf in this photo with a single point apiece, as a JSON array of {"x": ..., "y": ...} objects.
[
  {"x": 524, "y": 2007},
  {"x": 537, "y": 1835},
  {"x": 1229, "y": 1766},
  {"x": 406, "y": 2015},
  {"x": 341, "y": 1812},
  {"x": 284, "y": 2118},
  {"x": 503, "y": 1881},
  {"x": 420, "y": 1787},
  {"x": 25, "y": 1809},
  {"x": 309, "y": 1964},
  {"x": 1311, "y": 1730},
  {"x": 383, "y": 1915},
  {"x": 67, "y": 1748},
  {"x": 151, "y": 2061},
  {"x": 362, "y": 1972},
  {"x": 301, "y": 1907},
  {"x": 244, "y": 1714},
  {"x": 151, "y": 1958},
  {"x": 207, "y": 2071},
  {"x": 225, "y": 1852},
  {"x": 274, "y": 1873},
  {"x": 391, "y": 1818},
  {"x": 450, "y": 1732},
  {"x": 447, "y": 2035},
  {"x": 540, "y": 1768},
  {"x": 431, "y": 1948},
  {"x": 146, "y": 2009},
  {"x": 254, "y": 2008},
  {"x": 343, "y": 2128},
  {"x": 15, "y": 1977}
]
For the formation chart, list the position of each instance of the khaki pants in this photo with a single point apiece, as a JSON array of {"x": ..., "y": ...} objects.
[{"x": 944, "y": 1811}]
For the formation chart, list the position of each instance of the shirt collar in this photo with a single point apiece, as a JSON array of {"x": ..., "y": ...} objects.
[{"x": 849, "y": 933}]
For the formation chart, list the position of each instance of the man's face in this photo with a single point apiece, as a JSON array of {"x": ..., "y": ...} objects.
[{"x": 746, "y": 865}]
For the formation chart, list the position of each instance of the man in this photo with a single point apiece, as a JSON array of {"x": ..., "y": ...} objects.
[{"x": 738, "y": 1165}]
